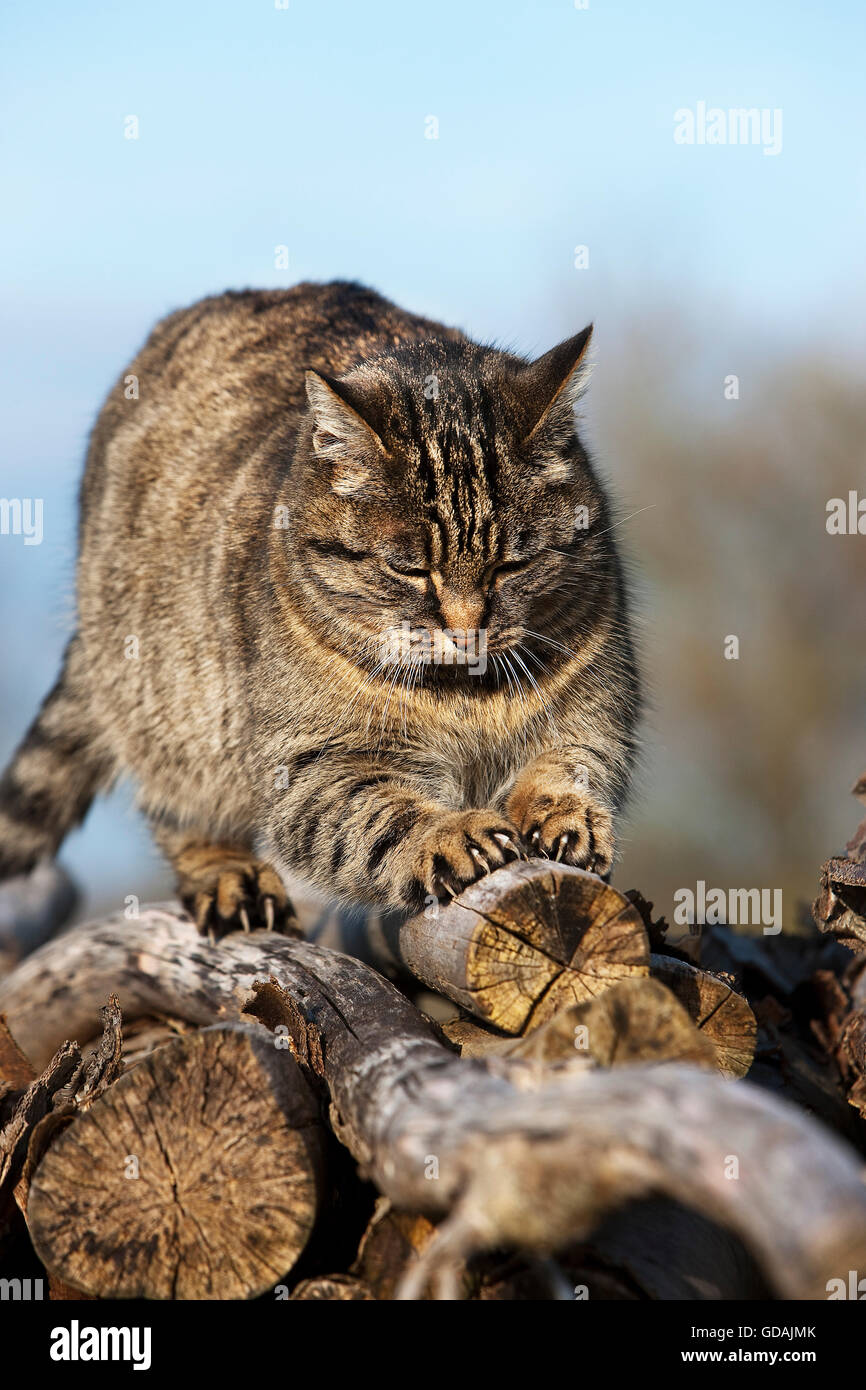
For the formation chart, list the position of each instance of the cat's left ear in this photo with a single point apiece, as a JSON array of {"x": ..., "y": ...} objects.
[
  {"x": 342, "y": 438},
  {"x": 547, "y": 390}
]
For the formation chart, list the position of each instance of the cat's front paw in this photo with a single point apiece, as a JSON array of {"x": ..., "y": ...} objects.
[
  {"x": 461, "y": 847},
  {"x": 572, "y": 827},
  {"x": 224, "y": 890}
]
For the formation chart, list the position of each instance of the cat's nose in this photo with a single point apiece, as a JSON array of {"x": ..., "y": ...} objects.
[{"x": 461, "y": 610}]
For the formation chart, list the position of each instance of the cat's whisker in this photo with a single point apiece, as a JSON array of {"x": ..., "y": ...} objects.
[
  {"x": 594, "y": 535},
  {"x": 541, "y": 638},
  {"x": 622, "y": 520},
  {"x": 534, "y": 683},
  {"x": 521, "y": 694}
]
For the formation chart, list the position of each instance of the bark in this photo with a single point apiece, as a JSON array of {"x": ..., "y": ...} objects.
[{"x": 33, "y": 1109}]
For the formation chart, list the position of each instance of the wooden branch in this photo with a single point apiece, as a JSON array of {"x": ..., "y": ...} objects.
[
  {"x": 198, "y": 1174},
  {"x": 523, "y": 942},
  {"x": 509, "y": 1161}
]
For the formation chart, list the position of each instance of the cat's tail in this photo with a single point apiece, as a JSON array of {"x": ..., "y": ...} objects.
[{"x": 55, "y": 773}]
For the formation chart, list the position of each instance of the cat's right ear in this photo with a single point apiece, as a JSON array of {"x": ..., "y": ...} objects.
[{"x": 342, "y": 438}]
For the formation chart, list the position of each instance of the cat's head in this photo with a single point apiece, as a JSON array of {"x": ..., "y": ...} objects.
[{"x": 443, "y": 489}]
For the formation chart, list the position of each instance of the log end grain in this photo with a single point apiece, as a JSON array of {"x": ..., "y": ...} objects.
[
  {"x": 548, "y": 936},
  {"x": 197, "y": 1175}
]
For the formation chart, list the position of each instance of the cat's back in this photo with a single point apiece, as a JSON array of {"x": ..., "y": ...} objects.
[{"x": 213, "y": 380}]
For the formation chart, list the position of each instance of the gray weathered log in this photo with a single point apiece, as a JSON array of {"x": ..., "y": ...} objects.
[{"x": 509, "y": 1161}]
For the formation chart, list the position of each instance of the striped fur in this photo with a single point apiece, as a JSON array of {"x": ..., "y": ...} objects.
[{"x": 302, "y": 472}]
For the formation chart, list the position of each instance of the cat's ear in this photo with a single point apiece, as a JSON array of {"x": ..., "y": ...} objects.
[
  {"x": 342, "y": 437},
  {"x": 547, "y": 390}
]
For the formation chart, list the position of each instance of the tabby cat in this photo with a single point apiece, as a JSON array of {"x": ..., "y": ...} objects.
[{"x": 349, "y": 607}]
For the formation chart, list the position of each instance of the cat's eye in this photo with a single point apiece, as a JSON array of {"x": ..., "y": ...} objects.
[
  {"x": 511, "y": 567},
  {"x": 408, "y": 572},
  {"x": 335, "y": 550}
]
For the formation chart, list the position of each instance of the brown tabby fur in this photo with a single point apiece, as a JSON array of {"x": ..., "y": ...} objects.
[{"x": 242, "y": 553}]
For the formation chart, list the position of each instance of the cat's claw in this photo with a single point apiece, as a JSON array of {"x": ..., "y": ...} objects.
[
  {"x": 462, "y": 847},
  {"x": 231, "y": 893},
  {"x": 508, "y": 844},
  {"x": 479, "y": 858},
  {"x": 574, "y": 830}
]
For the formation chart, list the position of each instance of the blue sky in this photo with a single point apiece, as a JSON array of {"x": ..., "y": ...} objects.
[{"x": 305, "y": 127}]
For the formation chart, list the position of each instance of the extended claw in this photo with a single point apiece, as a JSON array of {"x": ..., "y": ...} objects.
[
  {"x": 479, "y": 859},
  {"x": 507, "y": 843}
]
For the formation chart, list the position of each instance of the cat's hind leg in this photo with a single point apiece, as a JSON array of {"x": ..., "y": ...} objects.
[
  {"x": 56, "y": 771},
  {"x": 223, "y": 886}
]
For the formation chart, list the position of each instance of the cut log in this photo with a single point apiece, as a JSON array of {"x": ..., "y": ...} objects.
[
  {"x": 197, "y": 1175},
  {"x": 508, "y": 1161},
  {"x": 636, "y": 1020},
  {"x": 633, "y": 1021},
  {"x": 392, "y": 1241},
  {"x": 716, "y": 1009},
  {"x": 524, "y": 942}
]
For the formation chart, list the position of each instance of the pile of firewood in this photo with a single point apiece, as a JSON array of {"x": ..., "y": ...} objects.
[{"x": 271, "y": 1116}]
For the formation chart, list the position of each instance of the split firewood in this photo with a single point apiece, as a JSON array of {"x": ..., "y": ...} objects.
[
  {"x": 197, "y": 1175},
  {"x": 721, "y": 1014},
  {"x": 392, "y": 1241},
  {"x": 636, "y": 1020},
  {"x": 682, "y": 1013},
  {"x": 534, "y": 1166},
  {"x": 523, "y": 942},
  {"x": 633, "y": 1021}
]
